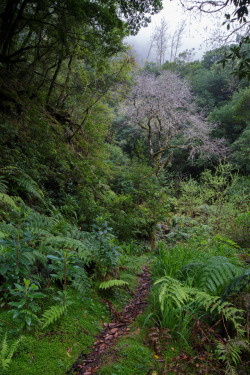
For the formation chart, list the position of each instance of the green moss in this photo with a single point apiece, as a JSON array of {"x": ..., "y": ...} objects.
[
  {"x": 56, "y": 349},
  {"x": 130, "y": 357}
]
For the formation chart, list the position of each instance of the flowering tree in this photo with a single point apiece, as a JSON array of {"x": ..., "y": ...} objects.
[{"x": 163, "y": 107}]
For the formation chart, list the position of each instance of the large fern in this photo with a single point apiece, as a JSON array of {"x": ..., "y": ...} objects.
[
  {"x": 213, "y": 276},
  {"x": 230, "y": 353},
  {"x": 41, "y": 223},
  {"x": 171, "y": 290},
  {"x": 81, "y": 282},
  {"x": 82, "y": 285},
  {"x": 8, "y": 229},
  {"x": 225, "y": 309},
  {"x": 238, "y": 284},
  {"x": 33, "y": 256},
  {"x": 22, "y": 180},
  {"x": 53, "y": 314},
  {"x": 55, "y": 233},
  {"x": 67, "y": 242},
  {"x": 7, "y": 352},
  {"x": 7, "y": 199}
]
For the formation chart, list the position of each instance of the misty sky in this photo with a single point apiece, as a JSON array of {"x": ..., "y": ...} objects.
[{"x": 199, "y": 28}]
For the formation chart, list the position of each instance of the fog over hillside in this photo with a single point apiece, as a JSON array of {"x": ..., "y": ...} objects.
[{"x": 199, "y": 35}]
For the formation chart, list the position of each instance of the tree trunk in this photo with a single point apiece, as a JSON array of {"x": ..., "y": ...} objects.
[
  {"x": 61, "y": 96},
  {"x": 53, "y": 81}
]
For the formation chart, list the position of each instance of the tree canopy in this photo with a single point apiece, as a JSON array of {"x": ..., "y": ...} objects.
[
  {"x": 163, "y": 107},
  {"x": 31, "y": 28}
]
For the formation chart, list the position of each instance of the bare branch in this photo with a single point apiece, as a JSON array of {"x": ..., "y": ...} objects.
[{"x": 163, "y": 107}]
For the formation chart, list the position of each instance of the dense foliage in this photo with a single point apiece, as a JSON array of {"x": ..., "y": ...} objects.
[{"x": 100, "y": 162}]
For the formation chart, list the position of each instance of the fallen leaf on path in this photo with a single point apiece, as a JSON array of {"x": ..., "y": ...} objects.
[{"x": 108, "y": 337}]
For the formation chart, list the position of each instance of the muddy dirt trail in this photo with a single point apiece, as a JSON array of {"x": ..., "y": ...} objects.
[{"x": 88, "y": 364}]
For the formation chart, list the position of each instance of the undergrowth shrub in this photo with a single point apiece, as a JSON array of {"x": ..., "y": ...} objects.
[
  {"x": 184, "y": 227},
  {"x": 239, "y": 229},
  {"x": 43, "y": 252},
  {"x": 107, "y": 252},
  {"x": 219, "y": 200},
  {"x": 195, "y": 282}
]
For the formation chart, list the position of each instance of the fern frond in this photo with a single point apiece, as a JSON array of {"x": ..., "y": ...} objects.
[
  {"x": 67, "y": 242},
  {"x": 79, "y": 235},
  {"x": 128, "y": 277},
  {"x": 214, "y": 303},
  {"x": 13, "y": 348},
  {"x": 190, "y": 270},
  {"x": 62, "y": 242},
  {"x": 5, "y": 198},
  {"x": 4, "y": 346},
  {"x": 3, "y": 186},
  {"x": 132, "y": 263},
  {"x": 81, "y": 285},
  {"x": 29, "y": 185},
  {"x": 32, "y": 315},
  {"x": 52, "y": 315},
  {"x": 230, "y": 353},
  {"x": 7, "y": 352},
  {"x": 29, "y": 256},
  {"x": 45, "y": 250},
  {"x": 215, "y": 275},
  {"x": 23, "y": 180},
  {"x": 41, "y": 222},
  {"x": 206, "y": 300},
  {"x": 40, "y": 256},
  {"x": 237, "y": 284},
  {"x": 111, "y": 283},
  {"x": 39, "y": 232},
  {"x": 7, "y": 229},
  {"x": 81, "y": 281},
  {"x": 172, "y": 291}
]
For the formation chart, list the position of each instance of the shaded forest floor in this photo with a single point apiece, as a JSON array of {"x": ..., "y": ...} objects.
[
  {"x": 125, "y": 346},
  {"x": 86, "y": 365},
  {"x": 116, "y": 335}
]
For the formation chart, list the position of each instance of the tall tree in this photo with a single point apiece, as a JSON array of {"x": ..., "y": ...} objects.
[
  {"x": 176, "y": 41},
  {"x": 160, "y": 41},
  {"x": 162, "y": 107}
]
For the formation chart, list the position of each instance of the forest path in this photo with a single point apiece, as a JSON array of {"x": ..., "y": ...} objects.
[{"x": 88, "y": 364}]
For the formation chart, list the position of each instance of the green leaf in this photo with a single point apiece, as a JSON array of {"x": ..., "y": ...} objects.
[
  {"x": 53, "y": 257},
  {"x": 112, "y": 283}
]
